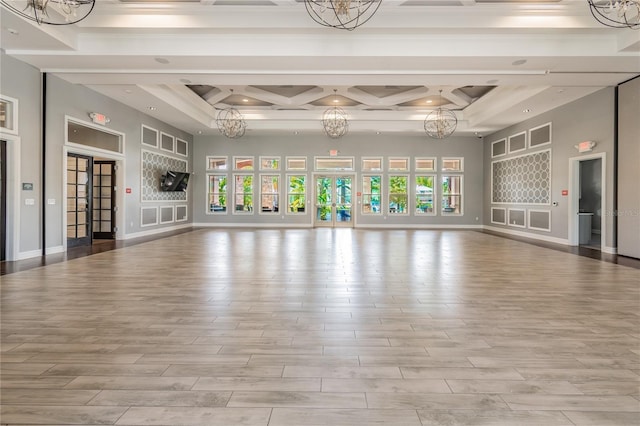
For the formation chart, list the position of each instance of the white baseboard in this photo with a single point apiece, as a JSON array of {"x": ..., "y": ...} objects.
[
  {"x": 252, "y": 225},
  {"x": 155, "y": 231},
  {"x": 29, "y": 254},
  {"x": 546, "y": 238},
  {"x": 54, "y": 250},
  {"x": 417, "y": 226}
]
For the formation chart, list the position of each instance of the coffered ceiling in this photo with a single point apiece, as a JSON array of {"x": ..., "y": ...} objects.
[{"x": 494, "y": 62}]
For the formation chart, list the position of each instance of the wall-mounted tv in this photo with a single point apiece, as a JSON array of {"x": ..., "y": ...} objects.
[{"x": 174, "y": 181}]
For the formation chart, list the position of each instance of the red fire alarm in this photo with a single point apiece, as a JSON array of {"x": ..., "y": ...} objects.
[
  {"x": 128, "y": 190},
  {"x": 565, "y": 192}
]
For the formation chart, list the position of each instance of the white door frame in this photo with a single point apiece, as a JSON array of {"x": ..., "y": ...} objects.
[
  {"x": 120, "y": 190},
  {"x": 573, "y": 223},
  {"x": 13, "y": 196},
  {"x": 333, "y": 224}
]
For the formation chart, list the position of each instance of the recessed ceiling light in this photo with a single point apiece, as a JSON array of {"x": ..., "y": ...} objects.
[
  {"x": 245, "y": 100},
  {"x": 128, "y": 91},
  {"x": 162, "y": 60},
  {"x": 560, "y": 90},
  {"x": 336, "y": 101},
  {"x": 429, "y": 101},
  {"x": 377, "y": 133},
  {"x": 199, "y": 132},
  {"x": 13, "y": 31},
  {"x": 296, "y": 132},
  {"x": 526, "y": 110},
  {"x": 519, "y": 62},
  {"x": 152, "y": 108}
]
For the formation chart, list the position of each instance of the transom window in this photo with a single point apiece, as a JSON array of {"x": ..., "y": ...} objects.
[
  {"x": 399, "y": 164},
  {"x": 425, "y": 164},
  {"x": 217, "y": 163},
  {"x": 269, "y": 163},
  {"x": 296, "y": 163},
  {"x": 372, "y": 164},
  {"x": 334, "y": 163},
  {"x": 243, "y": 163},
  {"x": 452, "y": 165}
]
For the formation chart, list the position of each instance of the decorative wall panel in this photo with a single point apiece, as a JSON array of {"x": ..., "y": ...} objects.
[
  {"x": 540, "y": 220},
  {"x": 525, "y": 179},
  {"x": 517, "y": 218},
  {"x": 166, "y": 214},
  {"x": 154, "y": 165},
  {"x": 148, "y": 216},
  {"x": 499, "y": 215}
]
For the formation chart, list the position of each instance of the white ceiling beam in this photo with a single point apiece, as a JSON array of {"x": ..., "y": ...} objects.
[{"x": 182, "y": 102}]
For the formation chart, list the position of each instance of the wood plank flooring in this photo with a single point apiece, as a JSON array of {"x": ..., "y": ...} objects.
[{"x": 322, "y": 327}]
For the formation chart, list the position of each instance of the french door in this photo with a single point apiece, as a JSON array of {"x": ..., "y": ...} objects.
[
  {"x": 104, "y": 181},
  {"x": 333, "y": 200},
  {"x": 79, "y": 190}
]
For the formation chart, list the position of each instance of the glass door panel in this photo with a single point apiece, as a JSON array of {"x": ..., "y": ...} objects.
[
  {"x": 78, "y": 200},
  {"x": 334, "y": 206}
]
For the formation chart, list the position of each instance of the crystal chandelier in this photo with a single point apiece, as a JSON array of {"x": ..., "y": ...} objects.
[
  {"x": 52, "y": 12},
  {"x": 440, "y": 123},
  {"x": 334, "y": 121},
  {"x": 231, "y": 123},
  {"x": 616, "y": 14},
  {"x": 342, "y": 14}
]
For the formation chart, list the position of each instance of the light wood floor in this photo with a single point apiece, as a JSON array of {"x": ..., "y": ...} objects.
[{"x": 323, "y": 327}]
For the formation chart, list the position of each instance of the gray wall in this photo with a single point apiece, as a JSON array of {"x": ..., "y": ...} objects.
[
  {"x": 21, "y": 81},
  {"x": 77, "y": 101},
  {"x": 400, "y": 145},
  {"x": 628, "y": 170},
  {"x": 589, "y": 118}
]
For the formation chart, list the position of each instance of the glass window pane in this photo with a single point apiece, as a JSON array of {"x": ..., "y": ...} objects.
[
  {"x": 371, "y": 194},
  {"x": 398, "y": 195},
  {"x": 452, "y": 164},
  {"x": 296, "y": 191},
  {"x": 243, "y": 163},
  {"x": 333, "y": 163},
  {"x": 424, "y": 194},
  {"x": 371, "y": 164},
  {"x": 217, "y": 163},
  {"x": 217, "y": 193},
  {"x": 296, "y": 163},
  {"x": 399, "y": 164},
  {"x": 425, "y": 164},
  {"x": 451, "y": 195},
  {"x": 95, "y": 138},
  {"x": 243, "y": 199},
  {"x": 269, "y": 163}
]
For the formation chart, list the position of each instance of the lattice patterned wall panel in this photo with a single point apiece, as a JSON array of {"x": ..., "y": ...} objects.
[
  {"x": 525, "y": 179},
  {"x": 155, "y": 165}
]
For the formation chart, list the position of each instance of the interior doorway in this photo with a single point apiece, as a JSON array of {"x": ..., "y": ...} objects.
[
  {"x": 3, "y": 200},
  {"x": 587, "y": 218},
  {"x": 79, "y": 198},
  {"x": 333, "y": 200}
]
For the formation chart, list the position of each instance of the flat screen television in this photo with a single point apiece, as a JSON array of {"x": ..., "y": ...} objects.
[{"x": 174, "y": 181}]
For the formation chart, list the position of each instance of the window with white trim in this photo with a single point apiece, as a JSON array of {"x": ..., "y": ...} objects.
[
  {"x": 269, "y": 194},
  {"x": 216, "y": 163},
  {"x": 243, "y": 163},
  {"x": 425, "y": 194},
  {"x": 269, "y": 163},
  {"x": 452, "y": 192},
  {"x": 296, "y": 163},
  {"x": 217, "y": 193},
  {"x": 297, "y": 194},
  {"x": 243, "y": 194},
  {"x": 371, "y": 164},
  {"x": 372, "y": 194},
  {"x": 453, "y": 164},
  {"x": 398, "y": 194},
  {"x": 399, "y": 164},
  {"x": 425, "y": 164}
]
